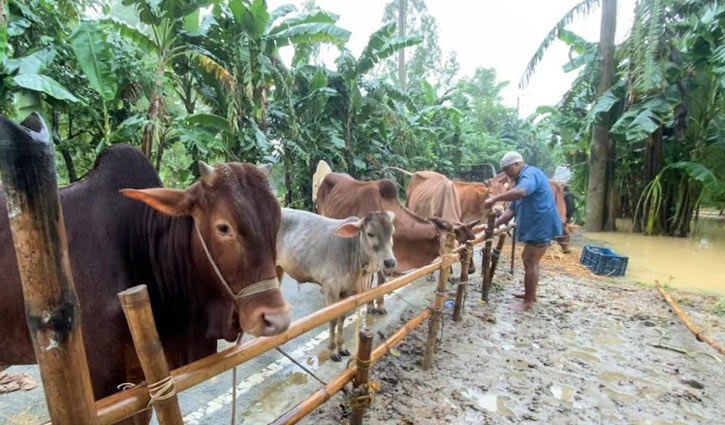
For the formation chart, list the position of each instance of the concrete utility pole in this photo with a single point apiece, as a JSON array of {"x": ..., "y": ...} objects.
[{"x": 402, "y": 4}]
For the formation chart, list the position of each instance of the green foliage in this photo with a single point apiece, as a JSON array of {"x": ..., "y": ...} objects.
[{"x": 94, "y": 52}]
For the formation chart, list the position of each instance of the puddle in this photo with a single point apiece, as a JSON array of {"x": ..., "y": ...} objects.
[
  {"x": 607, "y": 340},
  {"x": 610, "y": 377},
  {"x": 580, "y": 355},
  {"x": 517, "y": 375},
  {"x": 297, "y": 378},
  {"x": 490, "y": 402},
  {"x": 562, "y": 392},
  {"x": 693, "y": 263},
  {"x": 658, "y": 422}
]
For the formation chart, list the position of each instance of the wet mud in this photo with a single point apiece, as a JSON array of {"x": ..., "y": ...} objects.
[{"x": 584, "y": 355}]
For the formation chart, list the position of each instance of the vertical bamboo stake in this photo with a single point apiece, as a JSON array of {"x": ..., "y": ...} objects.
[
  {"x": 52, "y": 311},
  {"x": 137, "y": 308},
  {"x": 513, "y": 249},
  {"x": 496, "y": 255},
  {"x": 361, "y": 394},
  {"x": 486, "y": 262},
  {"x": 435, "y": 317},
  {"x": 466, "y": 263},
  {"x": 460, "y": 299}
]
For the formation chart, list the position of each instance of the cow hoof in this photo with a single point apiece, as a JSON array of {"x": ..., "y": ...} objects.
[
  {"x": 344, "y": 352},
  {"x": 380, "y": 311},
  {"x": 430, "y": 278},
  {"x": 454, "y": 280},
  {"x": 335, "y": 357},
  {"x": 371, "y": 309}
]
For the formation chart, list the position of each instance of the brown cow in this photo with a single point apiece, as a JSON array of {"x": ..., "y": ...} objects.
[
  {"x": 558, "y": 190},
  {"x": 416, "y": 241},
  {"x": 115, "y": 243},
  {"x": 432, "y": 194},
  {"x": 471, "y": 196}
]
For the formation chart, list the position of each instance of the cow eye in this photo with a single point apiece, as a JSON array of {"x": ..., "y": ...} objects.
[
  {"x": 223, "y": 229},
  {"x": 370, "y": 235}
]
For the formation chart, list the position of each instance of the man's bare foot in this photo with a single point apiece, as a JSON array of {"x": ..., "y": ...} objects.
[
  {"x": 522, "y": 295},
  {"x": 524, "y": 306}
]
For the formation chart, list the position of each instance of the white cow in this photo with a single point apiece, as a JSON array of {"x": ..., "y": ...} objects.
[{"x": 340, "y": 255}]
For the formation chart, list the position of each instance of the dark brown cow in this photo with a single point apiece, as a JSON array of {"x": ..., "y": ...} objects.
[
  {"x": 115, "y": 243},
  {"x": 471, "y": 196}
]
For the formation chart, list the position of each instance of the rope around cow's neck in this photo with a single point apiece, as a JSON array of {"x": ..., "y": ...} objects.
[{"x": 255, "y": 288}]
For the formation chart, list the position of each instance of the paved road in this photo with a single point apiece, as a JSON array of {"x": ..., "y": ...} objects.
[{"x": 268, "y": 385}]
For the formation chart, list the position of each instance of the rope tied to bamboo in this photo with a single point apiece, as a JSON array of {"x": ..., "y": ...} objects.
[
  {"x": 363, "y": 396},
  {"x": 161, "y": 390}
]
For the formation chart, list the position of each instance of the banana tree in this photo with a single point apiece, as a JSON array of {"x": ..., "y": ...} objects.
[
  {"x": 382, "y": 44},
  {"x": 242, "y": 70}
]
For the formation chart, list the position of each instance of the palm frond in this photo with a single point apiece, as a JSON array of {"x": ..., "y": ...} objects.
[{"x": 583, "y": 8}]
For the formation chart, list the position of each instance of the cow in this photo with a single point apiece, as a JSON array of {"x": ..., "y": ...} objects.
[
  {"x": 416, "y": 242},
  {"x": 558, "y": 190},
  {"x": 472, "y": 195},
  {"x": 207, "y": 255},
  {"x": 340, "y": 255}
]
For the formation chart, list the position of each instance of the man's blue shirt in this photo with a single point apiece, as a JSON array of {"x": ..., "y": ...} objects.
[{"x": 537, "y": 219}]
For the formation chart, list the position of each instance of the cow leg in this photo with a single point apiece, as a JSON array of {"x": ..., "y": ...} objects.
[
  {"x": 331, "y": 297},
  {"x": 341, "y": 336},
  {"x": 380, "y": 301}
]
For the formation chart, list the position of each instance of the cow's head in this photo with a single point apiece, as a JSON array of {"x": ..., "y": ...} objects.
[
  {"x": 376, "y": 238},
  {"x": 445, "y": 232},
  {"x": 497, "y": 185},
  {"x": 464, "y": 231},
  {"x": 234, "y": 241}
]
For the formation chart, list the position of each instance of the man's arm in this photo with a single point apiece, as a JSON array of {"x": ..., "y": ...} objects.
[{"x": 504, "y": 218}]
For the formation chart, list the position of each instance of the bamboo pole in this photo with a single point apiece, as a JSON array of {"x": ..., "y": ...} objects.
[
  {"x": 460, "y": 299},
  {"x": 301, "y": 410},
  {"x": 360, "y": 390},
  {"x": 136, "y": 306},
  {"x": 436, "y": 309},
  {"x": 699, "y": 335},
  {"x": 467, "y": 258},
  {"x": 513, "y": 250},
  {"x": 496, "y": 255},
  {"x": 52, "y": 311},
  {"x": 125, "y": 404},
  {"x": 486, "y": 261}
]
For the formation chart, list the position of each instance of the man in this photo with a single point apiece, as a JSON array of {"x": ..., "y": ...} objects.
[{"x": 537, "y": 219}]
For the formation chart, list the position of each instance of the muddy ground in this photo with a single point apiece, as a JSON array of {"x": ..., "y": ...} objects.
[{"x": 584, "y": 355}]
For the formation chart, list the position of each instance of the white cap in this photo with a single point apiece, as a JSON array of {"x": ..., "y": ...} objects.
[{"x": 511, "y": 157}]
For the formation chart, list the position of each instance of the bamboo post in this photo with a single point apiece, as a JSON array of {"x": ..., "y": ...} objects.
[
  {"x": 361, "y": 393},
  {"x": 486, "y": 262},
  {"x": 466, "y": 263},
  {"x": 699, "y": 335},
  {"x": 513, "y": 250},
  {"x": 298, "y": 412},
  {"x": 460, "y": 299},
  {"x": 52, "y": 311},
  {"x": 496, "y": 255},
  {"x": 137, "y": 308},
  {"x": 436, "y": 309}
]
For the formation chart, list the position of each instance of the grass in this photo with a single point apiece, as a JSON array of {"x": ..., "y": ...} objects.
[{"x": 719, "y": 308}]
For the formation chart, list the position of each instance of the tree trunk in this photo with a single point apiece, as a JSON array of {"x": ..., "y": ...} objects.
[
  {"x": 401, "y": 53},
  {"x": 154, "y": 113},
  {"x": 57, "y": 141},
  {"x": 598, "y": 187},
  {"x": 287, "y": 179}
]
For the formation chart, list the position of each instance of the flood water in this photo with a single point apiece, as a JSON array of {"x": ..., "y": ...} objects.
[{"x": 693, "y": 263}]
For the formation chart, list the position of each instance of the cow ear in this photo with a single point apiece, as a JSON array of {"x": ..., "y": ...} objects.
[
  {"x": 348, "y": 230},
  {"x": 168, "y": 201},
  {"x": 474, "y": 223},
  {"x": 487, "y": 183}
]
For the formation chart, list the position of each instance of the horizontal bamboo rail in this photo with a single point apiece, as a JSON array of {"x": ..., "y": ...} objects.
[
  {"x": 699, "y": 335},
  {"x": 301, "y": 410},
  {"x": 125, "y": 404}
]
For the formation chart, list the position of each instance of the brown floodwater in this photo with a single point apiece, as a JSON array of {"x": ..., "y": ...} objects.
[{"x": 694, "y": 263}]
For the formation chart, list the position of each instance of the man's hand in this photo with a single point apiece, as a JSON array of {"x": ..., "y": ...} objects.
[{"x": 488, "y": 203}]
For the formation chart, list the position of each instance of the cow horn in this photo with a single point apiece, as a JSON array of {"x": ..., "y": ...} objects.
[{"x": 206, "y": 172}]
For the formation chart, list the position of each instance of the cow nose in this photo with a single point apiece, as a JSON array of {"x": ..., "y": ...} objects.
[
  {"x": 275, "y": 323},
  {"x": 390, "y": 263}
]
